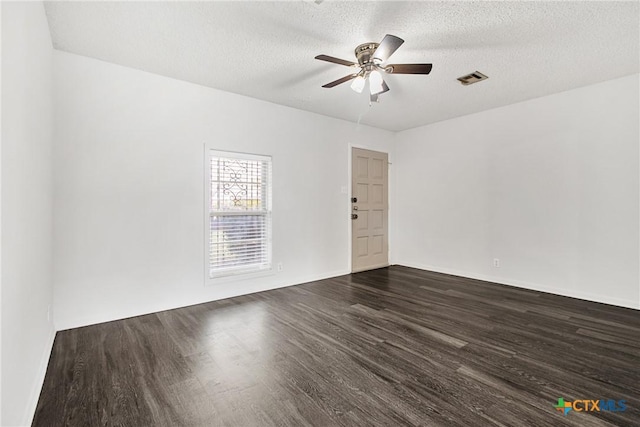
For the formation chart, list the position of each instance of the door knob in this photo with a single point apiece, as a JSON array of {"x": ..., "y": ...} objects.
[
  {"x": 354, "y": 216},
  {"x": 354, "y": 200}
]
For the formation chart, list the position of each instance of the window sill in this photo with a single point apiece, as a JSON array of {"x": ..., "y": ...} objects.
[{"x": 237, "y": 276}]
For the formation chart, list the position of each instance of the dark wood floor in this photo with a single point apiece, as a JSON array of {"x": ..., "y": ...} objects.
[{"x": 394, "y": 346}]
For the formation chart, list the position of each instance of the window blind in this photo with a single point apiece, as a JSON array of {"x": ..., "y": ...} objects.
[{"x": 239, "y": 213}]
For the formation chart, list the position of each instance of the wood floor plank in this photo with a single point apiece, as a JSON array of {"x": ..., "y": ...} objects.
[{"x": 394, "y": 346}]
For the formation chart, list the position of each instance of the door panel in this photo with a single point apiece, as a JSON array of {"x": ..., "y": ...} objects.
[{"x": 369, "y": 231}]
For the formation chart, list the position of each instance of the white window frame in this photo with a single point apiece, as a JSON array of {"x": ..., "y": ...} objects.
[{"x": 241, "y": 272}]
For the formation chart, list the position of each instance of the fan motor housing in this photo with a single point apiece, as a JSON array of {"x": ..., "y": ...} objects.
[{"x": 364, "y": 53}]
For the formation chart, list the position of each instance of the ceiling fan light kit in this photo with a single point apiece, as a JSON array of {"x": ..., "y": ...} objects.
[{"x": 370, "y": 57}]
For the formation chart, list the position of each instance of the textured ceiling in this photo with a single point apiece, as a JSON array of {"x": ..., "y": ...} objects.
[{"x": 266, "y": 49}]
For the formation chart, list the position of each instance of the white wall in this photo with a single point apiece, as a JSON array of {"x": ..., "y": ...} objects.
[
  {"x": 128, "y": 209},
  {"x": 27, "y": 335},
  {"x": 549, "y": 186}
]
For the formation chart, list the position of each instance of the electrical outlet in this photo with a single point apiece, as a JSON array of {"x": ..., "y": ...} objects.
[
  {"x": 280, "y": 267},
  {"x": 496, "y": 262}
]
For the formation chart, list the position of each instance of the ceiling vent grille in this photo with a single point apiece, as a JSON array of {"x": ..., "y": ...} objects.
[{"x": 472, "y": 78}]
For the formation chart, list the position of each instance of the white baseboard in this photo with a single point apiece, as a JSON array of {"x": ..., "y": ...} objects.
[
  {"x": 30, "y": 410},
  {"x": 605, "y": 299},
  {"x": 74, "y": 322},
  {"x": 64, "y": 323}
]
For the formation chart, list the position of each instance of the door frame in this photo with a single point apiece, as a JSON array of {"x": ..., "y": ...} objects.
[{"x": 350, "y": 195}]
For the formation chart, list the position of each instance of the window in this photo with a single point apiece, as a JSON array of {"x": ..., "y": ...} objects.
[{"x": 238, "y": 213}]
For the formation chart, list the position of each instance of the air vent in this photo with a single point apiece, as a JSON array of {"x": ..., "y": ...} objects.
[{"x": 472, "y": 78}]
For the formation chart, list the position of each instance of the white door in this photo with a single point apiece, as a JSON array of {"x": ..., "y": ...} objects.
[{"x": 369, "y": 209}]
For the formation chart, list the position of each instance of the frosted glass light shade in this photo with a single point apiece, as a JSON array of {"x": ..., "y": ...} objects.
[
  {"x": 358, "y": 84},
  {"x": 375, "y": 82}
]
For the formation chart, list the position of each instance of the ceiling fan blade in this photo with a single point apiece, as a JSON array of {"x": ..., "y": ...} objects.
[
  {"x": 340, "y": 81},
  {"x": 385, "y": 88},
  {"x": 408, "y": 68},
  {"x": 336, "y": 60},
  {"x": 387, "y": 46}
]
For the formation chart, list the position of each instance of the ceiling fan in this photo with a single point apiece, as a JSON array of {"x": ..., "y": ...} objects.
[{"x": 371, "y": 57}]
